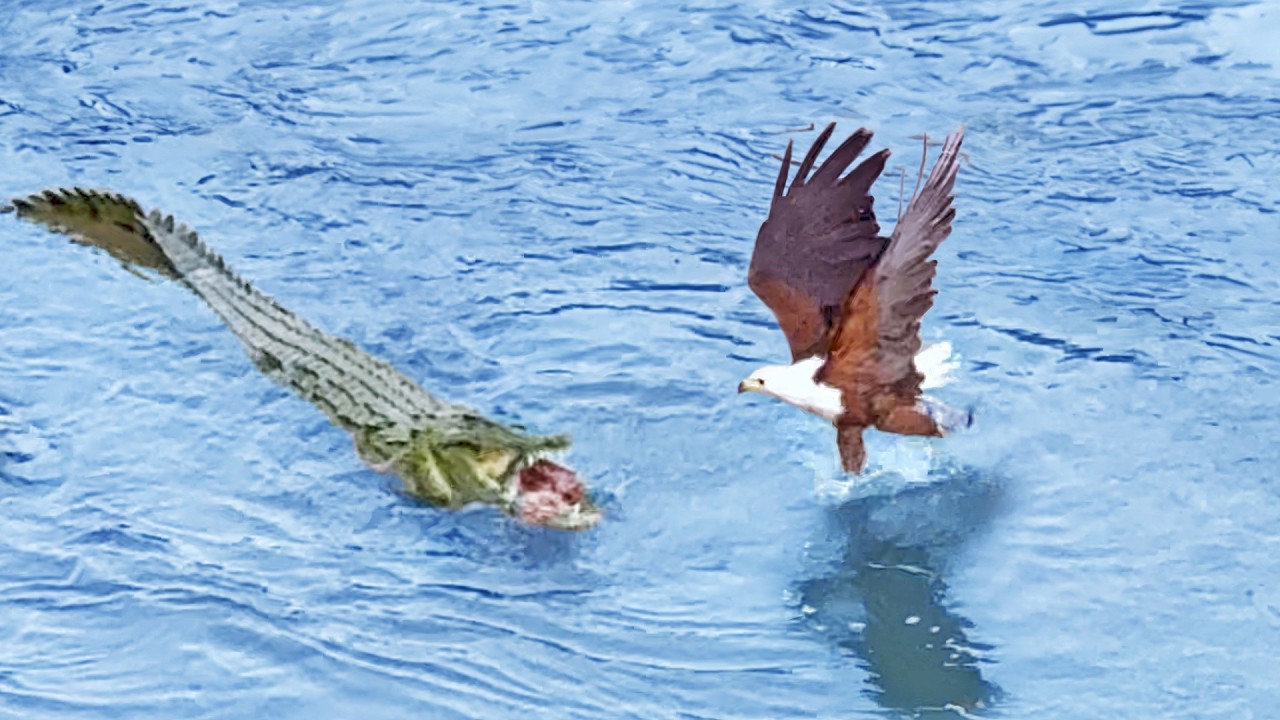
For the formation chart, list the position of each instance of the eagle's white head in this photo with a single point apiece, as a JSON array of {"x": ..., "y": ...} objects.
[{"x": 795, "y": 385}]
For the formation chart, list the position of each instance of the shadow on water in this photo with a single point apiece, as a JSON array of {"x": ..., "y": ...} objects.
[{"x": 882, "y": 593}]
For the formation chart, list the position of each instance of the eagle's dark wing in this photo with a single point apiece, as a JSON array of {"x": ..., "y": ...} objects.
[
  {"x": 819, "y": 237},
  {"x": 879, "y": 335}
]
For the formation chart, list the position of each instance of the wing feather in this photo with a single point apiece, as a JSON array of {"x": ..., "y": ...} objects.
[
  {"x": 879, "y": 336},
  {"x": 812, "y": 156},
  {"x": 821, "y": 234}
]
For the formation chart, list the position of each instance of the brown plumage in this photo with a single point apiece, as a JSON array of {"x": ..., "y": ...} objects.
[{"x": 843, "y": 293}]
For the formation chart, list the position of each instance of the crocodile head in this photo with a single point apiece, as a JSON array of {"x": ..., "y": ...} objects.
[{"x": 474, "y": 460}]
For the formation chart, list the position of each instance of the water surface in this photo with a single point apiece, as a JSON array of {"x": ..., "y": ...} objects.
[{"x": 546, "y": 210}]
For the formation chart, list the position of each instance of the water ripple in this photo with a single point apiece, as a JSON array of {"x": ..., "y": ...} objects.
[{"x": 546, "y": 211}]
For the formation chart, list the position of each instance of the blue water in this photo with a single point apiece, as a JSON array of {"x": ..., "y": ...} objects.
[{"x": 546, "y": 210}]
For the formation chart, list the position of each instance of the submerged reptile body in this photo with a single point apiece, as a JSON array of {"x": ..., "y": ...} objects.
[{"x": 444, "y": 453}]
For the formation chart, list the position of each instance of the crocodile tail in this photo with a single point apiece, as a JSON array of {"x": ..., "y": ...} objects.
[
  {"x": 186, "y": 252},
  {"x": 101, "y": 219},
  {"x": 141, "y": 241}
]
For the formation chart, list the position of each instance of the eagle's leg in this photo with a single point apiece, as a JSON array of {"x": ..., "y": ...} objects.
[
  {"x": 909, "y": 420},
  {"x": 853, "y": 454}
]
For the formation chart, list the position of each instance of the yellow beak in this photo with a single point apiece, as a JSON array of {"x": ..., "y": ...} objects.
[{"x": 750, "y": 384}]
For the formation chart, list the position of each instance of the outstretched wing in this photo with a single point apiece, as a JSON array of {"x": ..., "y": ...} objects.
[
  {"x": 879, "y": 334},
  {"x": 819, "y": 237}
]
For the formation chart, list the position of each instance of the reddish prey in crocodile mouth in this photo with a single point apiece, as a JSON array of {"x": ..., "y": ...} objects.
[{"x": 547, "y": 491}]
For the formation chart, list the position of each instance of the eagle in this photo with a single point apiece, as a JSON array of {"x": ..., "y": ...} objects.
[{"x": 850, "y": 301}]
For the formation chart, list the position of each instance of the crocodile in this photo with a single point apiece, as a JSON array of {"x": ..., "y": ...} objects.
[{"x": 444, "y": 453}]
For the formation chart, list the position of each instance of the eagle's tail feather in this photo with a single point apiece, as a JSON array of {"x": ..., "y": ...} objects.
[{"x": 936, "y": 363}]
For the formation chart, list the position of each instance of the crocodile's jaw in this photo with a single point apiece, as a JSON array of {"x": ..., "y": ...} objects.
[
  {"x": 522, "y": 483},
  {"x": 496, "y": 463},
  {"x": 551, "y": 495}
]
